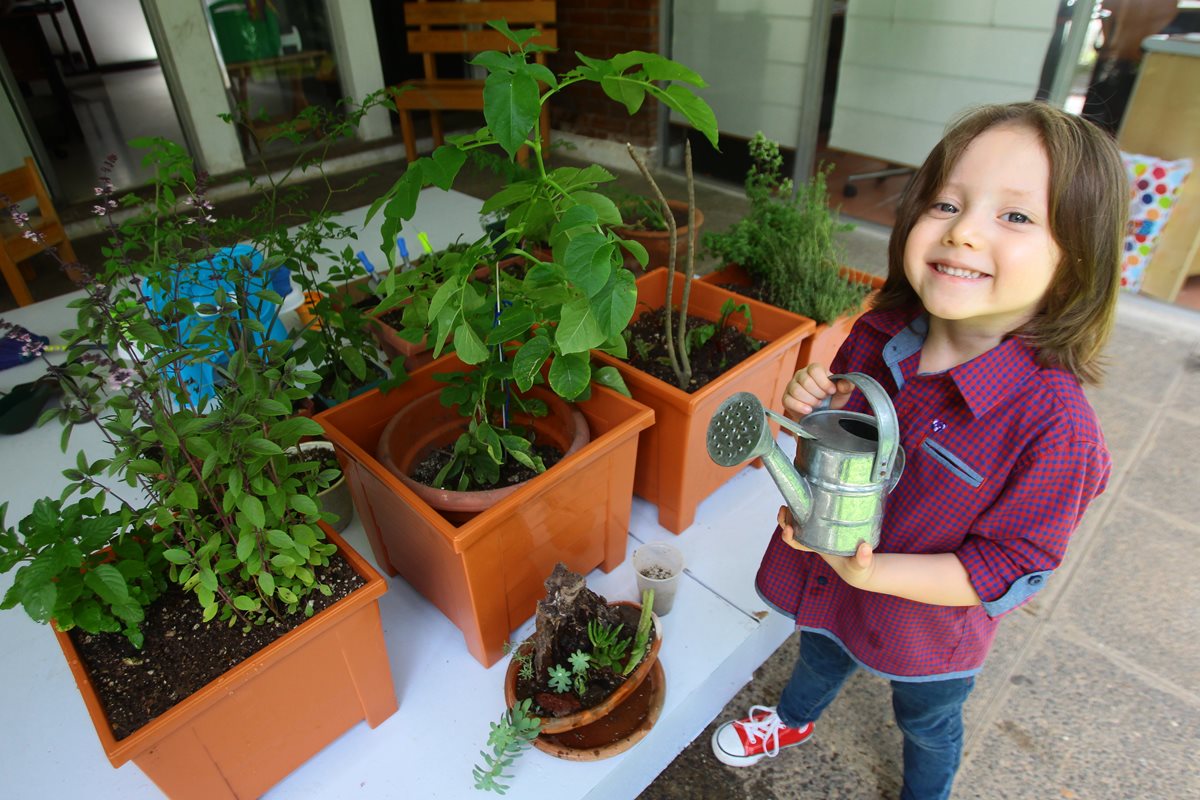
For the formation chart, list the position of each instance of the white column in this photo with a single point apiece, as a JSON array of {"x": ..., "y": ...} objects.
[
  {"x": 352, "y": 29},
  {"x": 196, "y": 81}
]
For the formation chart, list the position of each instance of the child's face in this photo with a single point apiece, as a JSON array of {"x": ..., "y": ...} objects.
[{"x": 982, "y": 255}]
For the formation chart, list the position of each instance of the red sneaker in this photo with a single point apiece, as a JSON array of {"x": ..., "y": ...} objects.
[{"x": 745, "y": 741}]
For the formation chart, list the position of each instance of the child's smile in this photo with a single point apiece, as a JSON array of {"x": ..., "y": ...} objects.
[{"x": 982, "y": 255}]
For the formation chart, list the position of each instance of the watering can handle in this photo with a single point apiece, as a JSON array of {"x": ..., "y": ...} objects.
[{"x": 885, "y": 420}]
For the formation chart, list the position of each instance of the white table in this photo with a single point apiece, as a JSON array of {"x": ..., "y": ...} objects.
[{"x": 714, "y": 638}]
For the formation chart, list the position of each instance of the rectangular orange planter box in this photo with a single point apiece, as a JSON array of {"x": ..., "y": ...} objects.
[
  {"x": 673, "y": 468},
  {"x": 827, "y": 338},
  {"x": 487, "y": 574},
  {"x": 246, "y": 730}
]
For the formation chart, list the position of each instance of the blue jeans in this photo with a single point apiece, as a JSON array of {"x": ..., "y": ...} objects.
[{"x": 929, "y": 713}]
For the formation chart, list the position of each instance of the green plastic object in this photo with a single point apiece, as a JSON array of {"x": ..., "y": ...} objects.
[{"x": 241, "y": 37}]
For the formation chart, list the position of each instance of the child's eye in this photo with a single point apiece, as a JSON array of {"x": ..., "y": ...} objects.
[
  {"x": 1015, "y": 216},
  {"x": 944, "y": 207}
]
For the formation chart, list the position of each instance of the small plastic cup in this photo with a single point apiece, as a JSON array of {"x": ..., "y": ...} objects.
[{"x": 658, "y": 566}]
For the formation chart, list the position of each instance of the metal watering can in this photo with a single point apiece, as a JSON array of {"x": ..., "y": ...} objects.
[{"x": 846, "y": 463}]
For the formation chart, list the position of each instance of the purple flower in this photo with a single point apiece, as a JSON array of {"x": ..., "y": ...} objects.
[
  {"x": 18, "y": 216},
  {"x": 99, "y": 211},
  {"x": 34, "y": 236},
  {"x": 120, "y": 378}
]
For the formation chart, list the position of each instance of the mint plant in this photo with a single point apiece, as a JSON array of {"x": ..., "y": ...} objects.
[
  {"x": 81, "y": 565},
  {"x": 510, "y": 330}
]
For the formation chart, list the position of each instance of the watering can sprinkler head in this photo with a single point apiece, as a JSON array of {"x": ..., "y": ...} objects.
[{"x": 846, "y": 463}]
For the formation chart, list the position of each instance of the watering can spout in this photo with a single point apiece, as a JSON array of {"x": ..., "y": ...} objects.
[{"x": 738, "y": 432}]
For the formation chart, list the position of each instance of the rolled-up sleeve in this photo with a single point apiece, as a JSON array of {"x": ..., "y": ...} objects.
[{"x": 1014, "y": 546}]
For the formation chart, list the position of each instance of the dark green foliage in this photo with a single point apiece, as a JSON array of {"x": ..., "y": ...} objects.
[{"x": 786, "y": 244}]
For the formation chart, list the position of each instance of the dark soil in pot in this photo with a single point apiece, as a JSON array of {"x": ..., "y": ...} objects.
[
  {"x": 181, "y": 653},
  {"x": 511, "y": 473},
  {"x": 725, "y": 349}
]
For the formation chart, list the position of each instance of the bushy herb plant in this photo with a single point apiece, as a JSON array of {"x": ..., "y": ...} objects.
[
  {"x": 786, "y": 242},
  {"x": 216, "y": 501}
]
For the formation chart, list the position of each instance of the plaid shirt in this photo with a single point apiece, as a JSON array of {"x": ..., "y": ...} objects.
[{"x": 1003, "y": 456}]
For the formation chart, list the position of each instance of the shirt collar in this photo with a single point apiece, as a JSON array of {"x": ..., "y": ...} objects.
[{"x": 983, "y": 382}]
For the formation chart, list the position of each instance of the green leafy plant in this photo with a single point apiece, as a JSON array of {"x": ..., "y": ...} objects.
[
  {"x": 510, "y": 331},
  {"x": 508, "y": 738},
  {"x": 607, "y": 647},
  {"x": 786, "y": 241},
  {"x": 81, "y": 565},
  {"x": 174, "y": 357},
  {"x": 560, "y": 678}
]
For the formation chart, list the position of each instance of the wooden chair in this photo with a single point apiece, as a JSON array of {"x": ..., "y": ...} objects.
[
  {"x": 19, "y": 185},
  {"x": 442, "y": 26}
]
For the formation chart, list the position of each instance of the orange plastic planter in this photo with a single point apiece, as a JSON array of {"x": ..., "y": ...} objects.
[
  {"x": 827, "y": 338},
  {"x": 674, "y": 471},
  {"x": 245, "y": 731},
  {"x": 487, "y": 575}
]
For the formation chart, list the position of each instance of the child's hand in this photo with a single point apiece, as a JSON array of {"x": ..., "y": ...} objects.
[
  {"x": 810, "y": 386},
  {"x": 855, "y": 570}
]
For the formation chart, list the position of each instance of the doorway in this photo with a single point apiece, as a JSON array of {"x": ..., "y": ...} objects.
[{"x": 85, "y": 78}]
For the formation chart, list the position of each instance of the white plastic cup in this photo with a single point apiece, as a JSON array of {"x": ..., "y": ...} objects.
[{"x": 658, "y": 566}]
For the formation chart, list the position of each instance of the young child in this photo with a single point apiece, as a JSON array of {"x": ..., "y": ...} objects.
[{"x": 1003, "y": 271}]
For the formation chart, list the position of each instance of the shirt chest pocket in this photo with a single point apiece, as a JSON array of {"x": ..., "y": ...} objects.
[{"x": 952, "y": 463}]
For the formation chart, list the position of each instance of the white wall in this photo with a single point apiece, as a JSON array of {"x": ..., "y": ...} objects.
[
  {"x": 753, "y": 54},
  {"x": 909, "y": 66}
]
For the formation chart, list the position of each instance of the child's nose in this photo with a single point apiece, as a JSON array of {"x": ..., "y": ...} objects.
[{"x": 962, "y": 232}]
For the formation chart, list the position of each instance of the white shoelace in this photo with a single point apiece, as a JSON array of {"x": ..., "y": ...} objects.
[{"x": 766, "y": 728}]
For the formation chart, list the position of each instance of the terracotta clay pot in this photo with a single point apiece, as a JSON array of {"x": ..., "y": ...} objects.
[
  {"x": 674, "y": 471},
  {"x": 658, "y": 243},
  {"x": 587, "y": 716},
  {"x": 246, "y": 730},
  {"x": 487, "y": 574},
  {"x": 827, "y": 338},
  {"x": 425, "y": 425}
]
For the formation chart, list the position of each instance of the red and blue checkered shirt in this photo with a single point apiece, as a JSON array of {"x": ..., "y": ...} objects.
[{"x": 1003, "y": 457}]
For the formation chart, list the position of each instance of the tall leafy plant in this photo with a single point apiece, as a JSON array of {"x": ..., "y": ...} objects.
[{"x": 508, "y": 329}]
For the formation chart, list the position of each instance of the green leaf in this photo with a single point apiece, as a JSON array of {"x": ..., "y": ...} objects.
[
  {"x": 578, "y": 330},
  {"x": 354, "y": 360},
  {"x": 245, "y": 545},
  {"x": 611, "y": 377},
  {"x": 511, "y": 106},
  {"x": 637, "y": 250},
  {"x": 108, "y": 583},
  {"x": 514, "y": 321},
  {"x": 698, "y": 113},
  {"x": 262, "y": 447},
  {"x": 184, "y": 496},
  {"x": 441, "y": 168},
  {"x": 468, "y": 346},
  {"x": 629, "y": 93},
  {"x": 588, "y": 261},
  {"x": 266, "y": 583},
  {"x": 292, "y": 429},
  {"x": 252, "y": 507},
  {"x": 305, "y": 505},
  {"x": 266, "y": 407},
  {"x": 245, "y": 603},
  {"x": 177, "y": 555},
  {"x": 510, "y": 195},
  {"x": 605, "y": 208},
  {"x": 280, "y": 539},
  {"x": 570, "y": 374},
  {"x": 529, "y": 360},
  {"x": 614, "y": 306}
]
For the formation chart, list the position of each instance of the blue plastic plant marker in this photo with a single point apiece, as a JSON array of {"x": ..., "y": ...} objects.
[
  {"x": 402, "y": 246},
  {"x": 372, "y": 278},
  {"x": 281, "y": 280}
]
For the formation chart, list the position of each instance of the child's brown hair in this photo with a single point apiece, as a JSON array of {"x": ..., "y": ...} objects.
[{"x": 1088, "y": 206}]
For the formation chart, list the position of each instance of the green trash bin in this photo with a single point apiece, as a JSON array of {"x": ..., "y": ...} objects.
[{"x": 241, "y": 37}]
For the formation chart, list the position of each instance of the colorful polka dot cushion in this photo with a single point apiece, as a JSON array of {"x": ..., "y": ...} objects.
[{"x": 1154, "y": 189}]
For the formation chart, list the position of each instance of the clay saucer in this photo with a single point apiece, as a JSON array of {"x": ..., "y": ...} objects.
[{"x": 621, "y": 729}]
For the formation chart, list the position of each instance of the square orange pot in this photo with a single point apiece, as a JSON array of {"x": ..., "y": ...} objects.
[
  {"x": 827, "y": 338},
  {"x": 487, "y": 574},
  {"x": 673, "y": 468},
  {"x": 249, "y": 728}
]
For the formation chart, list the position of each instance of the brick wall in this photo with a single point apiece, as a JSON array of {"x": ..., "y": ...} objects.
[{"x": 601, "y": 29}]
